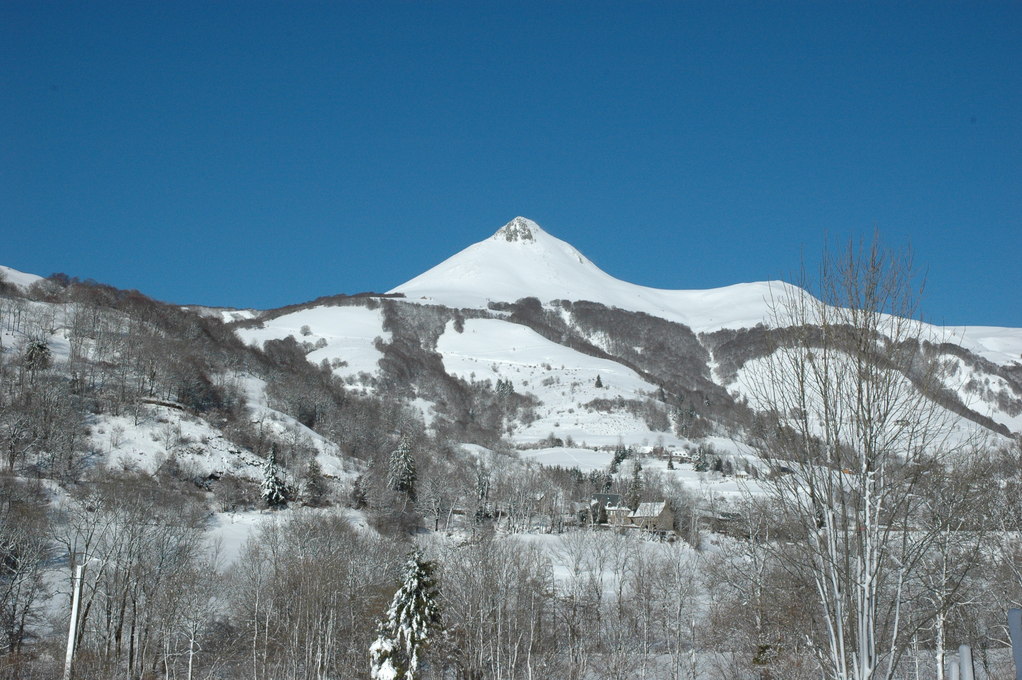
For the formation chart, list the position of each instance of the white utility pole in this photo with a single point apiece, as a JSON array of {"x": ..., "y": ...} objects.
[
  {"x": 965, "y": 660},
  {"x": 73, "y": 628},
  {"x": 1015, "y": 628}
]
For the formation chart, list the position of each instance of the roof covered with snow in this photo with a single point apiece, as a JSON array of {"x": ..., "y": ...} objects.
[{"x": 649, "y": 510}]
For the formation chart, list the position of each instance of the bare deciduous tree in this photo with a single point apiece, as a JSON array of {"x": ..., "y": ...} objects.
[{"x": 852, "y": 425}]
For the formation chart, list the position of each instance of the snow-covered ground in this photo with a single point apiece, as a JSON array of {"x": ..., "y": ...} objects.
[
  {"x": 709, "y": 486},
  {"x": 163, "y": 432},
  {"x": 1000, "y": 345},
  {"x": 225, "y": 314},
  {"x": 344, "y": 336},
  {"x": 561, "y": 378},
  {"x": 569, "y": 457},
  {"x": 228, "y": 532},
  {"x": 20, "y": 279},
  {"x": 979, "y": 391},
  {"x": 943, "y": 427}
]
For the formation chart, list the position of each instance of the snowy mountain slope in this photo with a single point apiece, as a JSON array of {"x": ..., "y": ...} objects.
[
  {"x": 476, "y": 323},
  {"x": 521, "y": 260},
  {"x": 1002, "y": 346},
  {"x": 342, "y": 336},
  {"x": 563, "y": 380},
  {"x": 474, "y": 319},
  {"x": 754, "y": 382},
  {"x": 19, "y": 279},
  {"x": 225, "y": 314}
]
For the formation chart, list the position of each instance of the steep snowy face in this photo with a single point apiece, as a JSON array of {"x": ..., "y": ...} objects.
[
  {"x": 519, "y": 260},
  {"x": 522, "y": 260}
]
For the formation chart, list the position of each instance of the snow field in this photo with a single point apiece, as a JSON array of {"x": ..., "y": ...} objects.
[
  {"x": 19, "y": 279},
  {"x": 344, "y": 334},
  {"x": 1000, "y": 345},
  {"x": 945, "y": 427},
  {"x": 164, "y": 432},
  {"x": 960, "y": 374},
  {"x": 561, "y": 378}
]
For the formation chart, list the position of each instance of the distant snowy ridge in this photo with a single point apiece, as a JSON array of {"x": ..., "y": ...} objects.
[
  {"x": 522, "y": 260},
  {"x": 19, "y": 279}
]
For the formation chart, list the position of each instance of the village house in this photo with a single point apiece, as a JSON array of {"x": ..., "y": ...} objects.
[
  {"x": 653, "y": 516},
  {"x": 608, "y": 509},
  {"x": 619, "y": 515}
]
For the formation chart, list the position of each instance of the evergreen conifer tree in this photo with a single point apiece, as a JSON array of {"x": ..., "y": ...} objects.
[
  {"x": 401, "y": 474},
  {"x": 412, "y": 620},
  {"x": 272, "y": 489},
  {"x": 504, "y": 388},
  {"x": 599, "y": 382},
  {"x": 315, "y": 487},
  {"x": 620, "y": 455},
  {"x": 38, "y": 356},
  {"x": 359, "y": 499}
]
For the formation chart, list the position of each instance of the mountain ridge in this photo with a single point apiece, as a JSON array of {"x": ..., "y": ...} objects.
[
  {"x": 522, "y": 260},
  {"x": 665, "y": 347}
]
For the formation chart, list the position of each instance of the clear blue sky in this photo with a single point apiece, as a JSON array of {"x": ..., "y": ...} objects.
[{"x": 259, "y": 154}]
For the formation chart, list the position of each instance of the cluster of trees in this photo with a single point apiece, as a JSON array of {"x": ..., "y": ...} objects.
[{"x": 306, "y": 596}]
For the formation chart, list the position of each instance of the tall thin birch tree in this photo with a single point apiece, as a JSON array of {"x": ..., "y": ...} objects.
[{"x": 848, "y": 394}]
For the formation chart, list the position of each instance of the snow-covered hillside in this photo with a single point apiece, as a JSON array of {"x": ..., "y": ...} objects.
[
  {"x": 19, "y": 279},
  {"x": 344, "y": 337},
  {"x": 553, "y": 352},
  {"x": 563, "y": 380}
]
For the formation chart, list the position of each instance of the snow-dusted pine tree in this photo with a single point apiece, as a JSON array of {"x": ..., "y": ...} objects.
[
  {"x": 315, "y": 486},
  {"x": 411, "y": 622},
  {"x": 401, "y": 474},
  {"x": 272, "y": 489}
]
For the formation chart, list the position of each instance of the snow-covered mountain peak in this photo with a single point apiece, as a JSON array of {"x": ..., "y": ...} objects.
[
  {"x": 522, "y": 260},
  {"x": 518, "y": 229}
]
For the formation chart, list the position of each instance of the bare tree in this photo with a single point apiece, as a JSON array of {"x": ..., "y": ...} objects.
[
  {"x": 848, "y": 398},
  {"x": 24, "y": 550}
]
